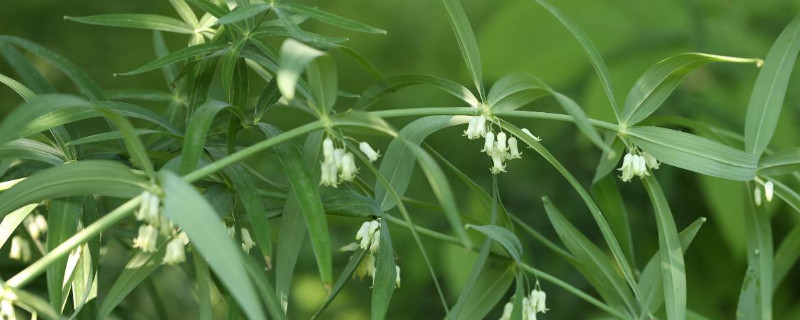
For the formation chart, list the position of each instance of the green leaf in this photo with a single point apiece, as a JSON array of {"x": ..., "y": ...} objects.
[
  {"x": 330, "y": 18},
  {"x": 265, "y": 288},
  {"x": 397, "y": 163},
  {"x": 228, "y": 66},
  {"x": 12, "y": 220},
  {"x": 514, "y": 91},
  {"x": 140, "y": 94},
  {"x": 189, "y": 210},
  {"x": 32, "y": 150},
  {"x": 785, "y": 257},
  {"x": 19, "y": 88},
  {"x": 242, "y": 13},
  {"x": 608, "y": 161},
  {"x": 392, "y": 83},
  {"x": 132, "y": 142},
  {"x": 323, "y": 82},
  {"x": 385, "y": 275},
  {"x": 598, "y": 269},
  {"x": 98, "y": 177},
  {"x": 203, "y": 278},
  {"x": 62, "y": 223},
  {"x": 466, "y": 42},
  {"x": 488, "y": 290},
  {"x": 137, "y": 21},
  {"x": 766, "y": 101},
  {"x": 116, "y": 135},
  {"x": 192, "y": 52},
  {"x": 755, "y": 298},
  {"x": 307, "y": 192},
  {"x": 348, "y": 270},
  {"x": 196, "y": 133},
  {"x": 268, "y": 98},
  {"x": 291, "y": 236},
  {"x": 606, "y": 193},
  {"x": 582, "y": 121},
  {"x": 89, "y": 88},
  {"x": 781, "y": 162},
  {"x": 185, "y": 12},
  {"x": 349, "y": 203},
  {"x": 673, "y": 270},
  {"x": 658, "y": 82},
  {"x": 25, "y": 70},
  {"x": 139, "y": 268},
  {"x": 248, "y": 195},
  {"x": 589, "y": 49},
  {"x": 694, "y": 153},
  {"x": 504, "y": 237},
  {"x": 650, "y": 282}
]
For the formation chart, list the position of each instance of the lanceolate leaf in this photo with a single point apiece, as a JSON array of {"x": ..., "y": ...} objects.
[
  {"x": 607, "y": 195},
  {"x": 385, "y": 275},
  {"x": 466, "y": 42},
  {"x": 137, "y": 21},
  {"x": 651, "y": 282},
  {"x": 89, "y": 88},
  {"x": 330, "y": 18},
  {"x": 228, "y": 66},
  {"x": 141, "y": 266},
  {"x": 193, "y": 52},
  {"x": 594, "y": 264},
  {"x": 295, "y": 57},
  {"x": 196, "y": 133},
  {"x": 189, "y": 210},
  {"x": 132, "y": 141},
  {"x": 62, "y": 223},
  {"x": 31, "y": 150},
  {"x": 98, "y": 177},
  {"x": 514, "y": 91},
  {"x": 588, "y": 47},
  {"x": 755, "y": 298},
  {"x": 242, "y": 13},
  {"x": 19, "y": 88},
  {"x": 658, "y": 82},
  {"x": 392, "y": 83},
  {"x": 307, "y": 192},
  {"x": 786, "y": 256},
  {"x": 695, "y": 153},
  {"x": 673, "y": 270},
  {"x": 504, "y": 237},
  {"x": 781, "y": 162},
  {"x": 766, "y": 100}
]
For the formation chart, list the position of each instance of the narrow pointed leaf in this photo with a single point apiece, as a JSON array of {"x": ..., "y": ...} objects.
[
  {"x": 139, "y": 268},
  {"x": 192, "y": 52},
  {"x": 19, "y": 88},
  {"x": 466, "y": 41},
  {"x": 514, "y": 91},
  {"x": 385, "y": 275},
  {"x": 137, "y": 21},
  {"x": 781, "y": 162},
  {"x": 755, "y": 298},
  {"x": 242, "y": 13},
  {"x": 392, "y": 83},
  {"x": 32, "y": 150},
  {"x": 330, "y": 18}
]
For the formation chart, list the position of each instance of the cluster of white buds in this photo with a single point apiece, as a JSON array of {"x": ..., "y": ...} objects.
[
  {"x": 36, "y": 225},
  {"x": 531, "y": 305},
  {"x": 20, "y": 249},
  {"x": 634, "y": 164},
  {"x": 7, "y": 299},
  {"x": 368, "y": 239},
  {"x": 769, "y": 192},
  {"x": 500, "y": 149},
  {"x": 156, "y": 224},
  {"x": 338, "y": 165},
  {"x": 476, "y": 128}
]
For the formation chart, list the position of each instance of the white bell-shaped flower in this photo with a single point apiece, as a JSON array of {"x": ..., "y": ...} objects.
[
  {"x": 538, "y": 301},
  {"x": 231, "y": 231},
  {"x": 20, "y": 249},
  {"x": 337, "y": 157},
  {"x": 769, "y": 190},
  {"x": 528, "y": 132},
  {"x": 497, "y": 163},
  {"x": 370, "y": 153},
  {"x": 513, "y": 149},
  {"x": 329, "y": 174},
  {"x": 184, "y": 238},
  {"x": 470, "y": 132},
  {"x": 32, "y": 226},
  {"x": 369, "y": 236},
  {"x": 327, "y": 149},
  {"x": 480, "y": 127},
  {"x": 247, "y": 241},
  {"x": 507, "y": 310},
  {"x": 652, "y": 162},
  {"x": 147, "y": 238},
  {"x": 366, "y": 267},
  {"x": 502, "y": 142},
  {"x": 627, "y": 168},
  {"x": 175, "y": 252},
  {"x": 488, "y": 145},
  {"x": 757, "y": 196},
  {"x": 397, "y": 276},
  {"x": 349, "y": 169}
]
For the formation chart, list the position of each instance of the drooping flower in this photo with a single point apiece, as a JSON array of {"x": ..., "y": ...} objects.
[
  {"x": 147, "y": 238},
  {"x": 247, "y": 241},
  {"x": 349, "y": 169},
  {"x": 36, "y": 225},
  {"x": 636, "y": 165},
  {"x": 497, "y": 163},
  {"x": 528, "y": 132},
  {"x": 502, "y": 143},
  {"x": 329, "y": 172},
  {"x": 397, "y": 276},
  {"x": 769, "y": 189},
  {"x": 757, "y": 196},
  {"x": 476, "y": 128},
  {"x": 184, "y": 238},
  {"x": 537, "y": 300},
  {"x": 369, "y": 235},
  {"x": 175, "y": 252},
  {"x": 20, "y": 249},
  {"x": 488, "y": 145},
  {"x": 370, "y": 153},
  {"x": 366, "y": 267},
  {"x": 514, "y": 152},
  {"x": 327, "y": 149},
  {"x": 652, "y": 162},
  {"x": 231, "y": 231},
  {"x": 627, "y": 168},
  {"x": 337, "y": 158}
]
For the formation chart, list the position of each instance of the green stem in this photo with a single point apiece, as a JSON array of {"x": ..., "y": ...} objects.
[
  {"x": 527, "y": 268},
  {"x": 63, "y": 249}
]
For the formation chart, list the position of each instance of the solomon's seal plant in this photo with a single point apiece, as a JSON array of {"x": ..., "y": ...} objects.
[{"x": 205, "y": 180}]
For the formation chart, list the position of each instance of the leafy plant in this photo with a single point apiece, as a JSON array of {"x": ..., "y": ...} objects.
[{"x": 181, "y": 188}]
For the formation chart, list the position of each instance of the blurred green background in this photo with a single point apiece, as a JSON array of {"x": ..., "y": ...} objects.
[{"x": 514, "y": 36}]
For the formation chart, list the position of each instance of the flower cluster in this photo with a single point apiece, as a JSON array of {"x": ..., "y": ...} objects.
[
  {"x": 531, "y": 305},
  {"x": 769, "y": 192},
  {"x": 7, "y": 298},
  {"x": 368, "y": 239},
  {"x": 634, "y": 164},
  {"x": 339, "y": 165},
  {"x": 156, "y": 224},
  {"x": 36, "y": 225},
  {"x": 499, "y": 147}
]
